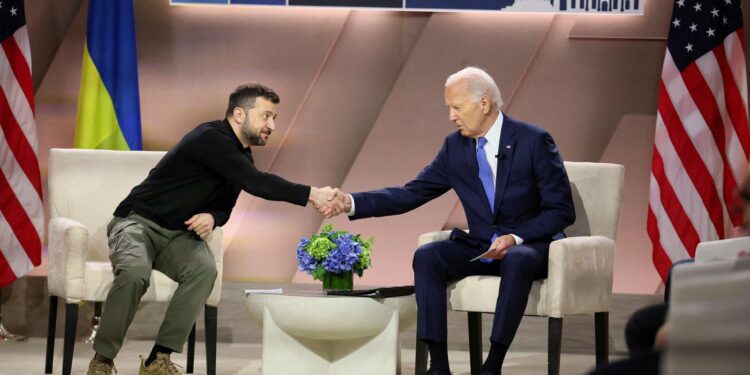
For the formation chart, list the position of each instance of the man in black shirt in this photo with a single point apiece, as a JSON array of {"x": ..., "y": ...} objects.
[{"x": 163, "y": 222}]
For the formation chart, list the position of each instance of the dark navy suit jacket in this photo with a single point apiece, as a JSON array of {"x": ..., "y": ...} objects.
[{"x": 532, "y": 191}]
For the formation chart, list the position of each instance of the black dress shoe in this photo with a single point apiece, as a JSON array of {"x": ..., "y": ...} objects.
[{"x": 434, "y": 371}]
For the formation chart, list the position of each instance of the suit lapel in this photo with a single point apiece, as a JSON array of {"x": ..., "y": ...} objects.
[
  {"x": 470, "y": 158},
  {"x": 506, "y": 149}
]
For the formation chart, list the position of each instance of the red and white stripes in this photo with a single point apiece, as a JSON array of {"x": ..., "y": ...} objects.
[
  {"x": 701, "y": 151},
  {"x": 21, "y": 209}
]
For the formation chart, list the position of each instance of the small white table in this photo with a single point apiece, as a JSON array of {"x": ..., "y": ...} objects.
[{"x": 308, "y": 332}]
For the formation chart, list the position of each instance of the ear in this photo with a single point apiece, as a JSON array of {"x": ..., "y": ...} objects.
[
  {"x": 238, "y": 114},
  {"x": 485, "y": 103}
]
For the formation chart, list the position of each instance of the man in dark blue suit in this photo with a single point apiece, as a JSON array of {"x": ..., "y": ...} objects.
[{"x": 514, "y": 189}]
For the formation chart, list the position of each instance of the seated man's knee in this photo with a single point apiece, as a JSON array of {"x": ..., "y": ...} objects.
[
  {"x": 520, "y": 254},
  {"x": 424, "y": 256},
  {"x": 206, "y": 269},
  {"x": 134, "y": 274},
  {"x": 521, "y": 260}
]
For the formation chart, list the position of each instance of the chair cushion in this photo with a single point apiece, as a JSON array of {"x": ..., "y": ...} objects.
[
  {"x": 479, "y": 294},
  {"x": 99, "y": 278}
]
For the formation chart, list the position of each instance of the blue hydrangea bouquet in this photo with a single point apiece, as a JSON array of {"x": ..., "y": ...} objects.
[{"x": 334, "y": 257}]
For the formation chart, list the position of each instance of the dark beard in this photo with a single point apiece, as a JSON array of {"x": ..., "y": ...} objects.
[
  {"x": 251, "y": 138},
  {"x": 256, "y": 140}
]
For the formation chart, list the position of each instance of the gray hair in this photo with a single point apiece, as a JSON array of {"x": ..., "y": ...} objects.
[{"x": 479, "y": 84}]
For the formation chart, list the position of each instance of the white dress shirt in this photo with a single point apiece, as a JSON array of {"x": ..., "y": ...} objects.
[{"x": 493, "y": 145}]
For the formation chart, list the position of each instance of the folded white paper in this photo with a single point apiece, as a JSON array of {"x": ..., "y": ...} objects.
[
  {"x": 481, "y": 255},
  {"x": 264, "y": 291}
]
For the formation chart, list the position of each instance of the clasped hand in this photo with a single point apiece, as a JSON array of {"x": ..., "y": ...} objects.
[
  {"x": 202, "y": 224},
  {"x": 500, "y": 246},
  {"x": 330, "y": 201}
]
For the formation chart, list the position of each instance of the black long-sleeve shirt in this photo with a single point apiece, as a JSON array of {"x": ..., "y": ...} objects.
[{"x": 205, "y": 172}]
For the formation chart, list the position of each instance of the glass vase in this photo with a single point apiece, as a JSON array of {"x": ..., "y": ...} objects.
[{"x": 338, "y": 281}]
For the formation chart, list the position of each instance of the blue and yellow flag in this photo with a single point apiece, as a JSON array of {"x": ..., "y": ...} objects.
[{"x": 109, "y": 113}]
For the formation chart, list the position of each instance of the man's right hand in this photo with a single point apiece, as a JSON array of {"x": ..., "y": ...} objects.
[
  {"x": 343, "y": 201},
  {"x": 330, "y": 202},
  {"x": 500, "y": 246},
  {"x": 202, "y": 224},
  {"x": 320, "y": 196}
]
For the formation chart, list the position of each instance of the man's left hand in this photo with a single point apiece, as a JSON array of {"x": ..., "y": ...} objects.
[
  {"x": 201, "y": 224},
  {"x": 500, "y": 246}
]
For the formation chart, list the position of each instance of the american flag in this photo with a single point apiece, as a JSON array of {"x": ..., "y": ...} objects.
[
  {"x": 702, "y": 141},
  {"x": 21, "y": 212}
]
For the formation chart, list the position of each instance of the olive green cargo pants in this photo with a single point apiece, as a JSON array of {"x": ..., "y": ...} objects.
[{"x": 138, "y": 245}]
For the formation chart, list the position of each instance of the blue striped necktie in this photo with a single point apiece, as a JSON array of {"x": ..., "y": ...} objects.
[
  {"x": 485, "y": 173},
  {"x": 488, "y": 181}
]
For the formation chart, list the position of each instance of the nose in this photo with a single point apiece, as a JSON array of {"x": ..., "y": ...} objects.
[
  {"x": 271, "y": 124},
  {"x": 452, "y": 115}
]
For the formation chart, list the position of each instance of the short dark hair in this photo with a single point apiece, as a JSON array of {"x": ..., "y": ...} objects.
[{"x": 244, "y": 96}]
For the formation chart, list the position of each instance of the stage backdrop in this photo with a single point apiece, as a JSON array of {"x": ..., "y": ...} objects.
[{"x": 362, "y": 106}]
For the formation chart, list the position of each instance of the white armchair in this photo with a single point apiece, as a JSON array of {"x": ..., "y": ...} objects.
[
  {"x": 580, "y": 270},
  {"x": 85, "y": 186}
]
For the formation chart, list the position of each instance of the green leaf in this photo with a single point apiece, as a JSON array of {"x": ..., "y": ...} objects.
[{"x": 319, "y": 272}]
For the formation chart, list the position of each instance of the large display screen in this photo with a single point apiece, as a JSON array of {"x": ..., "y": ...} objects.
[{"x": 546, "y": 6}]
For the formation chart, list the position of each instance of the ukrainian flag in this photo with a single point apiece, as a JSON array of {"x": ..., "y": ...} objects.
[{"x": 109, "y": 114}]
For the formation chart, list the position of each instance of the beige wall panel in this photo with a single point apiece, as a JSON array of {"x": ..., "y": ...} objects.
[
  {"x": 631, "y": 145},
  {"x": 579, "y": 89},
  {"x": 48, "y": 23}
]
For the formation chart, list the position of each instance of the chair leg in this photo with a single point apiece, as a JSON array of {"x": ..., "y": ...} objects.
[
  {"x": 554, "y": 345},
  {"x": 71, "y": 319},
  {"x": 601, "y": 326},
  {"x": 191, "y": 351},
  {"x": 211, "y": 314},
  {"x": 475, "y": 341},
  {"x": 420, "y": 359},
  {"x": 51, "y": 327}
]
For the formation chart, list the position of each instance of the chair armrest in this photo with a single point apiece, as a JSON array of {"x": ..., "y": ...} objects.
[
  {"x": 68, "y": 249},
  {"x": 216, "y": 244},
  {"x": 579, "y": 279},
  {"x": 433, "y": 237}
]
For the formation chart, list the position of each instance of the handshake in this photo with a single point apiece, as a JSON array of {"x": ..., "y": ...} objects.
[{"x": 330, "y": 201}]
